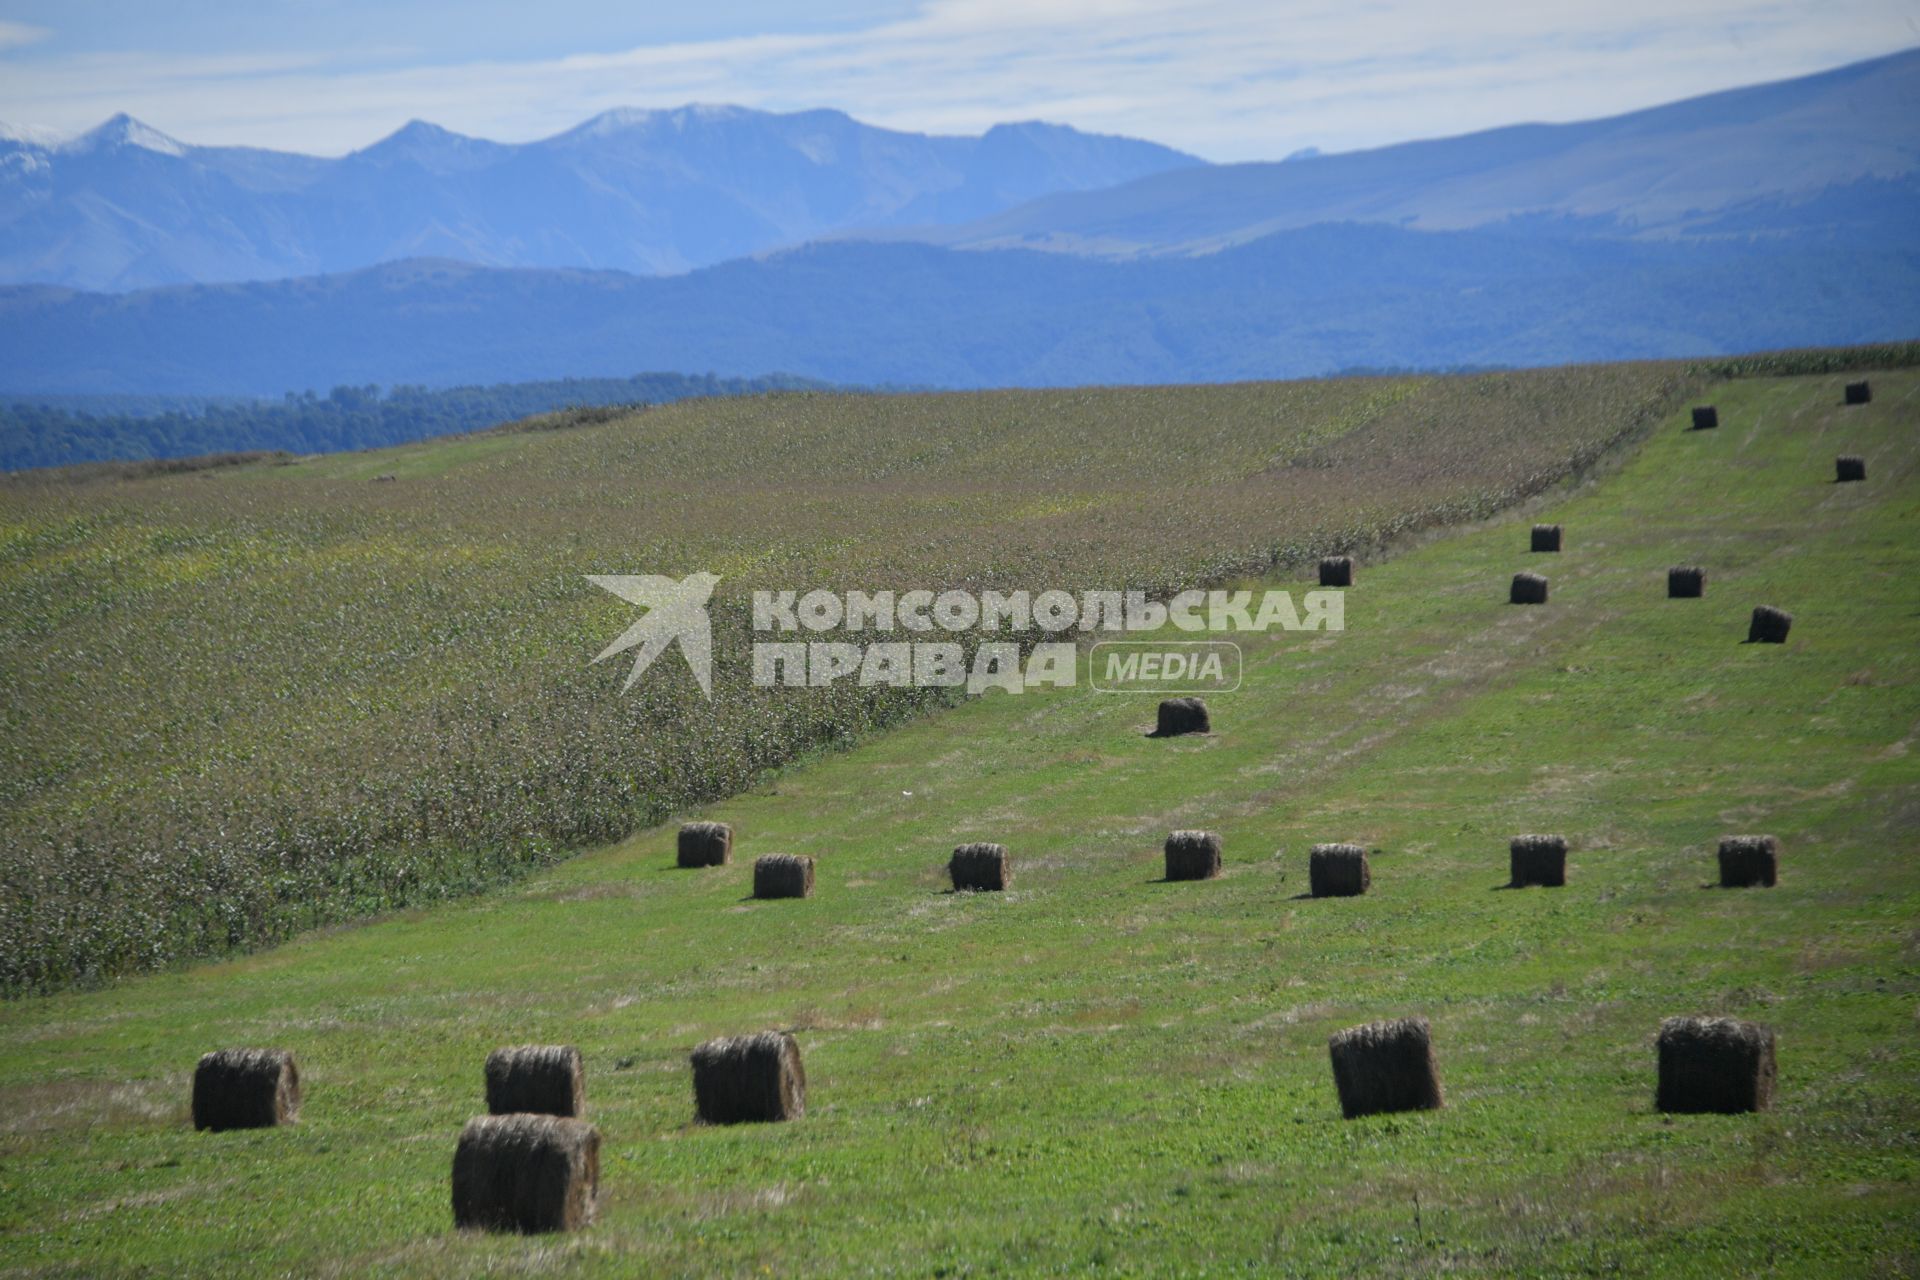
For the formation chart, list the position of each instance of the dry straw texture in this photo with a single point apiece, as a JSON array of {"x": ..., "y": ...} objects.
[
  {"x": 1193, "y": 855},
  {"x": 749, "y": 1078},
  {"x": 548, "y": 1078},
  {"x": 1749, "y": 860},
  {"x": 1182, "y": 715},
  {"x": 1338, "y": 871},
  {"x": 783, "y": 875},
  {"x": 1546, "y": 537},
  {"x": 1715, "y": 1064},
  {"x": 526, "y": 1173},
  {"x": 1705, "y": 417},
  {"x": 1336, "y": 571},
  {"x": 1386, "y": 1066},
  {"x": 1686, "y": 582},
  {"x": 1528, "y": 588},
  {"x": 980, "y": 866},
  {"x": 245, "y": 1089},
  {"x": 1769, "y": 625},
  {"x": 706, "y": 844},
  {"x": 1848, "y": 467},
  {"x": 1859, "y": 392},
  {"x": 1538, "y": 860}
]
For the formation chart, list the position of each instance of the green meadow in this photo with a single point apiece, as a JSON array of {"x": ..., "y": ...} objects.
[{"x": 1099, "y": 1072}]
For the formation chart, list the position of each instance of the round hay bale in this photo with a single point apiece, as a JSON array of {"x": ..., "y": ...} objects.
[
  {"x": 1720, "y": 1065},
  {"x": 783, "y": 875},
  {"x": 1686, "y": 582},
  {"x": 1749, "y": 860},
  {"x": 1546, "y": 537},
  {"x": 1705, "y": 417},
  {"x": 526, "y": 1173},
  {"x": 1540, "y": 860},
  {"x": 705, "y": 844},
  {"x": 1528, "y": 588},
  {"x": 1192, "y": 855},
  {"x": 245, "y": 1089},
  {"x": 1338, "y": 871},
  {"x": 1859, "y": 393},
  {"x": 983, "y": 867},
  {"x": 1849, "y": 467},
  {"x": 1386, "y": 1066},
  {"x": 1769, "y": 625},
  {"x": 545, "y": 1078},
  {"x": 755, "y": 1077},
  {"x": 1336, "y": 571},
  {"x": 1182, "y": 715}
]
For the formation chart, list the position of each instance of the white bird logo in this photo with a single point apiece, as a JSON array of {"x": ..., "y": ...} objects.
[{"x": 675, "y": 611}]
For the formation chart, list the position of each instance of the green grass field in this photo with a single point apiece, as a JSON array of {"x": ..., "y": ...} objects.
[
  {"x": 248, "y": 701},
  {"x": 1101, "y": 1073}
]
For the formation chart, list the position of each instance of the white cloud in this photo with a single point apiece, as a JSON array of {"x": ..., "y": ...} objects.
[
  {"x": 15, "y": 34},
  {"x": 1227, "y": 79}
]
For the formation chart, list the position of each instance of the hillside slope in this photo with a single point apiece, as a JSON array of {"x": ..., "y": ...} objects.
[
  {"x": 1834, "y": 154},
  {"x": 1098, "y": 1071},
  {"x": 250, "y": 700}
]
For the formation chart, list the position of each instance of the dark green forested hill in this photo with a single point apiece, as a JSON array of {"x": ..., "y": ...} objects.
[{"x": 59, "y": 430}]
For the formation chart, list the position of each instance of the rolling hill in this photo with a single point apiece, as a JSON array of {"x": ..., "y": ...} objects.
[
  {"x": 1100, "y": 1071},
  {"x": 1294, "y": 304},
  {"x": 1833, "y": 155}
]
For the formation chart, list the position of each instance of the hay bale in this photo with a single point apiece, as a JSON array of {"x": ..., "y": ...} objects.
[
  {"x": 1540, "y": 860},
  {"x": 1386, "y": 1066},
  {"x": 1719, "y": 1065},
  {"x": 783, "y": 875},
  {"x": 526, "y": 1173},
  {"x": 1859, "y": 393},
  {"x": 1686, "y": 582},
  {"x": 706, "y": 844},
  {"x": 245, "y": 1089},
  {"x": 1182, "y": 715},
  {"x": 1546, "y": 537},
  {"x": 1769, "y": 625},
  {"x": 1749, "y": 860},
  {"x": 1528, "y": 588},
  {"x": 1705, "y": 417},
  {"x": 1848, "y": 467},
  {"x": 749, "y": 1078},
  {"x": 1338, "y": 871},
  {"x": 1193, "y": 855},
  {"x": 1336, "y": 571},
  {"x": 545, "y": 1078},
  {"x": 980, "y": 866}
]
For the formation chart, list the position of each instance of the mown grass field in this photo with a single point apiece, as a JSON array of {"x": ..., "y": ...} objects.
[
  {"x": 249, "y": 701},
  {"x": 1099, "y": 1073}
]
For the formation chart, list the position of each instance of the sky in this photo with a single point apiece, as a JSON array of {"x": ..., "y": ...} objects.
[{"x": 1224, "y": 79}]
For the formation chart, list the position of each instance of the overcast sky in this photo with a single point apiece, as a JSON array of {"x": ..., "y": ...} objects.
[{"x": 1225, "y": 79}]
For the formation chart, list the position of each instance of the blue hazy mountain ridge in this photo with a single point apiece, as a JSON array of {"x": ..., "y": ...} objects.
[
  {"x": 1779, "y": 215},
  {"x": 1296, "y": 303},
  {"x": 1684, "y": 170},
  {"x": 124, "y": 206}
]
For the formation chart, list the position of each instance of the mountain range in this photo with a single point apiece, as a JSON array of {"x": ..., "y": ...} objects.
[
  {"x": 124, "y": 206},
  {"x": 1785, "y": 214},
  {"x": 1818, "y": 154}
]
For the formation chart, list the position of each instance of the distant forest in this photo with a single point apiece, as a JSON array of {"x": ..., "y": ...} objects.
[{"x": 53, "y": 431}]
